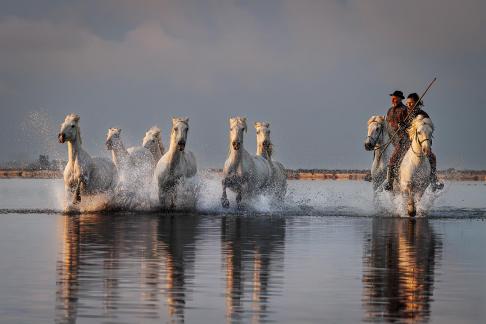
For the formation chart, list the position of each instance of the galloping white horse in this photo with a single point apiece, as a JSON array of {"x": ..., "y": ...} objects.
[
  {"x": 135, "y": 165},
  {"x": 377, "y": 138},
  {"x": 415, "y": 167},
  {"x": 83, "y": 175},
  {"x": 243, "y": 174},
  {"x": 277, "y": 185},
  {"x": 176, "y": 165},
  {"x": 153, "y": 142}
]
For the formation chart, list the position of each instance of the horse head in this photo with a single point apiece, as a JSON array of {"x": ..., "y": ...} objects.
[
  {"x": 421, "y": 132},
  {"x": 153, "y": 140},
  {"x": 376, "y": 127},
  {"x": 237, "y": 128},
  {"x": 178, "y": 136},
  {"x": 264, "y": 143},
  {"x": 113, "y": 138},
  {"x": 70, "y": 131}
]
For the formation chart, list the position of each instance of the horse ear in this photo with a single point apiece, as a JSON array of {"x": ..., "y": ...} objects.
[
  {"x": 186, "y": 120},
  {"x": 257, "y": 124}
]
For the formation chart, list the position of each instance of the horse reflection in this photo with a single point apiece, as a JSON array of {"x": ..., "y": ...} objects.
[
  {"x": 177, "y": 239},
  {"x": 399, "y": 264},
  {"x": 252, "y": 249},
  {"x": 97, "y": 256}
]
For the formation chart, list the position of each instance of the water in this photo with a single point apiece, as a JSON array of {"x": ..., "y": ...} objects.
[{"x": 328, "y": 256}]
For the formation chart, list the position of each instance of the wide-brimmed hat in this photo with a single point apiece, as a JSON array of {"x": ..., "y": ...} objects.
[{"x": 397, "y": 93}]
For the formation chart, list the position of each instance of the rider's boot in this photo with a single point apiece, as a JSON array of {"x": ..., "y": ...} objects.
[
  {"x": 390, "y": 177},
  {"x": 435, "y": 184}
]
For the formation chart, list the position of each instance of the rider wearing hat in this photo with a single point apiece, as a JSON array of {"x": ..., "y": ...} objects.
[
  {"x": 396, "y": 119},
  {"x": 414, "y": 103}
]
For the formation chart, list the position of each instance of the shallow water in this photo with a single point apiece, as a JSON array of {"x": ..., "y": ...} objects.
[{"x": 328, "y": 256}]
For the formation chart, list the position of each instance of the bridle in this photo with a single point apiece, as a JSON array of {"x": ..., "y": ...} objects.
[
  {"x": 416, "y": 138},
  {"x": 374, "y": 140}
]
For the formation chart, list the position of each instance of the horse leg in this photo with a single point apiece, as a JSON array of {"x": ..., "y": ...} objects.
[
  {"x": 411, "y": 210},
  {"x": 77, "y": 193},
  {"x": 173, "y": 197},
  {"x": 239, "y": 198},
  {"x": 224, "y": 199}
]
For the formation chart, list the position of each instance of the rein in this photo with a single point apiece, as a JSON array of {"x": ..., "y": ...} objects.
[
  {"x": 420, "y": 155},
  {"x": 375, "y": 140}
]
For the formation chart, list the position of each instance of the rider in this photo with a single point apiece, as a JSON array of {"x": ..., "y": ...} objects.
[
  {"x": 411, "y": 103},
  {"x": 396, "y": 119}
]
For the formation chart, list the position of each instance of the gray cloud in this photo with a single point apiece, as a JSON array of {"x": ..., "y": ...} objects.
[{"x": 315, "y": 70}]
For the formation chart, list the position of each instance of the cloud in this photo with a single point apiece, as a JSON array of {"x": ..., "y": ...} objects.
[{"x": 313, "y": 67}]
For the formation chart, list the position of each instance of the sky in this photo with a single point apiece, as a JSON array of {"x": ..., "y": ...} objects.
[{"x": 316, "y": 70}]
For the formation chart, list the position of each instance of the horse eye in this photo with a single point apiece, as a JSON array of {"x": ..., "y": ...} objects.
[
  {"x": 176, "y": 129},
  {"x": 258, "y": 132},
  {"x": 72, "y": 126}
]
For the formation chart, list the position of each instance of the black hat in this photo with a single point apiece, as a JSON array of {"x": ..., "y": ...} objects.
[
  {"x": 415, "y": 98},
  {"x": 397, "y": 93}
]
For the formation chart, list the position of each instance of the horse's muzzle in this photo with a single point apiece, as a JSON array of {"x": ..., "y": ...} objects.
[
  {"x": 61, "y": 137},
  {"x": 368, "y": 146},
  {"x": 236, "y": 145},
  {"x": 181, "y": 145}
]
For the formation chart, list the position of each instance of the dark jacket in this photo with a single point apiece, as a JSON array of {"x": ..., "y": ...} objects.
[{"x": 396, "y": 119}]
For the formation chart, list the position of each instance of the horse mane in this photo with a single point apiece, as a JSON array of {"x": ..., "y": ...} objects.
[
  {"x": 417, "y": 122},
  {"x": 376, "y": 119},
  {"x": 154, "y": 130}
]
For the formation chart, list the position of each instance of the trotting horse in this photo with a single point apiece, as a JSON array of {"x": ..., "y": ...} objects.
[
  {"x": 415, "y": 166},
  {"x": 176, "y": 165},
  {"x": 377, "y": 141},
  {"x": 134, "y": 165},
  {"x": 243, "y": 174},
  {"x": 83, "y": 175},
  {"x": 277, "y": 184}
]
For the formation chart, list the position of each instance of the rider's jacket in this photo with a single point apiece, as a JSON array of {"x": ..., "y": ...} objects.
[{"x": 396, "y": 119}]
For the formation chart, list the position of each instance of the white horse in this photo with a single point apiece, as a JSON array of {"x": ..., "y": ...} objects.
[
  {"x": 243, "y": 174},
  {"x": 176, "y": 165},
  {"x": 277, "y": 185},
  {"x": 83, "y": 175},
  {"x": 153, "y": 142},
  {"x": 135, "y": 165},
  {"x": 377, "y": 139},
  {"x": 415, "y": 167}
]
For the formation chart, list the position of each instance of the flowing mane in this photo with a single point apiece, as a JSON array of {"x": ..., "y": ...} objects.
[
  {"x": 417, "y": 122},
  {"x": 376, "y": 119}
]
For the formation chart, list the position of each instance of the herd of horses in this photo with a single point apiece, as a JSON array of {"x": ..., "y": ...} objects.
[
  {"x": 166, "y": 172},
  {"x": 139, "y": 171}
]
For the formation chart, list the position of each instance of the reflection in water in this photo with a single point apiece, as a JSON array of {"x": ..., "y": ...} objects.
[
  {"x": 117, "y": 267},
  {"x": 253, "y": 248},
  {"x": 399, "y": 264}
]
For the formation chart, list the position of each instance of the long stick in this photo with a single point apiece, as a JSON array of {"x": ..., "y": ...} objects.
[{"x": 408, "y": 115}]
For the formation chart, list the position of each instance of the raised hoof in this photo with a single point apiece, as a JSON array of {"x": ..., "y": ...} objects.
[{"x": 225, "y": 203}]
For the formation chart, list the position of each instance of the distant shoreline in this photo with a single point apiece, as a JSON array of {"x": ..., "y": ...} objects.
[{"x": 300, "y": 174}]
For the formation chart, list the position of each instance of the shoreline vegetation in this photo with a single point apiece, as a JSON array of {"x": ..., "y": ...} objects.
[{"x": 299, "y": 174}]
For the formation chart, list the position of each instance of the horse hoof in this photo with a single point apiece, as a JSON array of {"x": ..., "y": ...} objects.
[
  {"x": 225, "y": 203},
  {"x": 412, "y": 213}
]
